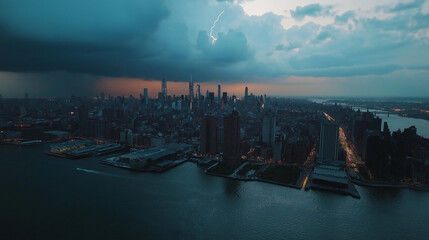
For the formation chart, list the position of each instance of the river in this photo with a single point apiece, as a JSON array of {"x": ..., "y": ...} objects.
[
  {"x": 394, "y": 121},
  {"x": 44, "y": 197}
]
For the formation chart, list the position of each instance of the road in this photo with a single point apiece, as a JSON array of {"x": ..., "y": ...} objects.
[{"x": 352, "y": 157}]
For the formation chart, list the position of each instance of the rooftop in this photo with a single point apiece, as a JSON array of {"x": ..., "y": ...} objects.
[
  {"x": 70, "y": 144},
  {"x": 56, "y": 132},
  {"x": 156, "y": 152},
  {"x": 330, "y": 174}
]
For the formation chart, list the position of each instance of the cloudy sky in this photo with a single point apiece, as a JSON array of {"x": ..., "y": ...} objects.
[{"x": 294, "y": 48}]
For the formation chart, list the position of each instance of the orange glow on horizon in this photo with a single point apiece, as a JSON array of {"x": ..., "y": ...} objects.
[{"x": 292, "y": 86}]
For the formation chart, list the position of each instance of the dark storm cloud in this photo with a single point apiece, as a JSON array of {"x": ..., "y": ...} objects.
[
  {"x": 229, "y": 48},
  {"x": 152, "y": 39},
  {"x": 77, "y": 36},
  {"x": 116, "y": 38}
]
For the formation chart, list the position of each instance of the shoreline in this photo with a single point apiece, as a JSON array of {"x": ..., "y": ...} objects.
[
  {"x": 150, "y": 168},
  {"x": 388, "y": 185},
  {"x": 248, "y": 179}
]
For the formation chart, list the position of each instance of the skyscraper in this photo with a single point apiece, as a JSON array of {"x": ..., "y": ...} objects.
[
  {"x": 328, "y": 146},
  {"x": 191, "y": 90},
  {"x": 231, "y": 150},
  {"x": 225, "y": 97},
  {"x": 211, "y": 98},
  {"x": 191, "y": 94},
  {"x": 208, "y": 136},
  {"x": 246, "y": 93},
  {"x": 145, "y": 97},
  {"x": 269, "y": 129},
  {"x": 198, "y": 94},
  {"x": 218, "y": 94},
  {"x": 164, "y": 88}
]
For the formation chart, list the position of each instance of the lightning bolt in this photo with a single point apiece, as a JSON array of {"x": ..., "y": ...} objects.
[{"x": 214, "y": 39}]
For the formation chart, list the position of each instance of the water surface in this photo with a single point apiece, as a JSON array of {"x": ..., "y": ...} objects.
[{"x": 44, "y": 197}]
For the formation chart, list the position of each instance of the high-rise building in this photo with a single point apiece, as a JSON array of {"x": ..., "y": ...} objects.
[
  {"x": 269, "y": 129},
  {"x": 328, "y": 146},
  {"x": 126, "y": 137},
  {"x": 164, "y": 88},
  {"x": 161, "y": 97},
  {"x": 211, "y": 98},
  {"x": 198, "y": 94},
  {"x": 231, "y": 143},
  {"x": 145, "y": 96},
  {"x": 246, "y": 93},
  {"x": 102, "y": 96},
  {"x": 218, "y": 94},
  {"x": 198, "y": 91},
  {"x": 225, "y": 97},
  {"x": 277, "y": 150},
  {"x": 208, "y": 136},
  {"x": 191, "y": 93},
  {"x": 83, "y": 120},
  {"x": 191, "y": 90}
]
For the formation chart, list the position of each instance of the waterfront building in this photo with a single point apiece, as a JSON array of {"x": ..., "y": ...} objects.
[
  {"x": 159, "y": 158},
  {"x": 330, "y": 176},
  {"x": 69, "y": 145}
]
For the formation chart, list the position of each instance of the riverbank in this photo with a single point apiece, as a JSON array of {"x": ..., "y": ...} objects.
[
  {"x": 158, "y": 167},
  {"x": 365, "y": 183},
  {"x": 264, "y": 173}
]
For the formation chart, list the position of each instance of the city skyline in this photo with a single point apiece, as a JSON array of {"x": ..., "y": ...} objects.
[
  {"x": 214, "y": 119},
  {"x": 293, "y": 48}
]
